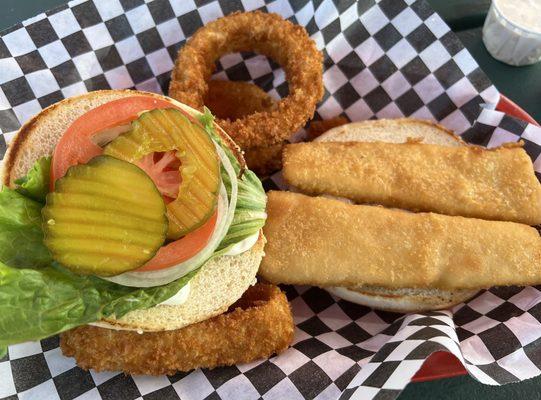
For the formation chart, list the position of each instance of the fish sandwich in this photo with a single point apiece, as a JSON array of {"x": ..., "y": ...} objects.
[{"x": 140, "y": 232}]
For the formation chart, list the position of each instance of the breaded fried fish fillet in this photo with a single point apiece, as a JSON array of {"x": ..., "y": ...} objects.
[
  {"x": 324, "y": 242},
  {"x": 496, "y": 184}
]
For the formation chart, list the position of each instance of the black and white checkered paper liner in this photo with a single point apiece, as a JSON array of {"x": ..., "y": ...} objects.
[{"x": 388, "y": 59}]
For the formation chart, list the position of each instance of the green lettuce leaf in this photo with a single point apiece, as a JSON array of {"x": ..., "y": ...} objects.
[
  {"x": 21, "y": 235},
  {"x": 36, "y": 183},
  {"x": 250, "y": 215},
  {"x": 36, "y": 303}
]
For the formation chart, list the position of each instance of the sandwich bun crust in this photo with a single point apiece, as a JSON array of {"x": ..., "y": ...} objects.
[{"x": 400, "y": 130}]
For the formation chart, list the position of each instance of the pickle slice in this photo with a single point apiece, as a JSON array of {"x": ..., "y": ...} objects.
[
  {"x": 104, "y": 218},
  {"x": 164, "y": 130}
]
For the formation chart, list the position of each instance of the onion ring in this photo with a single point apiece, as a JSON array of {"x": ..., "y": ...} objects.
[
  {"x": 268, "y": 34},
  {"x": 264, "y": 160},
  {"x": 258, "y": 325},
  {"x": 233, "y": 100}
]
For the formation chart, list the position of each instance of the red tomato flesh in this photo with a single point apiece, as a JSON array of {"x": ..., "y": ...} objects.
[
  {"x": 163, "y": 170},
  {"x": 183, "y": 249}
]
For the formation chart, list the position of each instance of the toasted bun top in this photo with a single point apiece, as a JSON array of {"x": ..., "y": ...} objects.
[
  {"x": 38, "y": 137},
  {"x": 398, "y": 130}
]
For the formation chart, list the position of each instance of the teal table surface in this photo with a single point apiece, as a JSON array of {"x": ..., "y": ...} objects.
[{"x": 522, "y": 85}]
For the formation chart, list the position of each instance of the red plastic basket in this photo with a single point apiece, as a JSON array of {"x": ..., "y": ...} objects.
[{"x": 442, "y": 364}]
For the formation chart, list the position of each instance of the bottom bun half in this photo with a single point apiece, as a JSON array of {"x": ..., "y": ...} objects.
[
  {"x": 404, "y": 300},
  {"x": 218, "y": 284}
]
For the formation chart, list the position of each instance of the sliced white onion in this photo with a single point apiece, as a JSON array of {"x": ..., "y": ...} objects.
[
  {"x": 234, "y": 185},
  {"x": 225, "y": 216},
  {"x": 106, "y": 136}
]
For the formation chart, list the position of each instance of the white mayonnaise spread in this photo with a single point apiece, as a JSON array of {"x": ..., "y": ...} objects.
[
  {"x": 176, "y": 300},
  {"x": 512, "y": 31},
  {"x": 243, "y": 245},
  {"x": 525, "y": 13},
  {"x": 107, "y": 325},
  {"x": 179, "y": 298}
]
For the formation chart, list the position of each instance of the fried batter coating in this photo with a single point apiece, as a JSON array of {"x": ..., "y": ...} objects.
[
  {"x": 498, "y": 184},
  {"x": 268, "y": 34},
  {"x": 257, "y": 326},
  {"x": 264, "y": 160},
  {"x": 325, "y": 242},
  {"x": 233, "y": 100}
]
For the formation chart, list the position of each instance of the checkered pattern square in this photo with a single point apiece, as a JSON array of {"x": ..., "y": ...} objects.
[{"x": 385, "y": 58}]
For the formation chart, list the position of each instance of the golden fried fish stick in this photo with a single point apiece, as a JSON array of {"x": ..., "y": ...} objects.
[
  {"x": 325, "y": 242},
  {"x": 496, "y": 184}
]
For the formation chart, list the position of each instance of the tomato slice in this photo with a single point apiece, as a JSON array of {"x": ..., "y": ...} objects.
[
  {"x": 163, "y": 170},
  {"x": 183, "y": 249},
  {"x": 77, "y": 147}
]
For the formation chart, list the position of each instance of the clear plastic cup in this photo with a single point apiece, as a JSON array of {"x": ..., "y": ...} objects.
[{"x": 512, "y": 31}]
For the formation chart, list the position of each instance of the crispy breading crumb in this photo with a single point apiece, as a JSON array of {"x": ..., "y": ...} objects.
[
  {"x": 233, "y": 100},
  {"x": 259, "y": 325}
]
